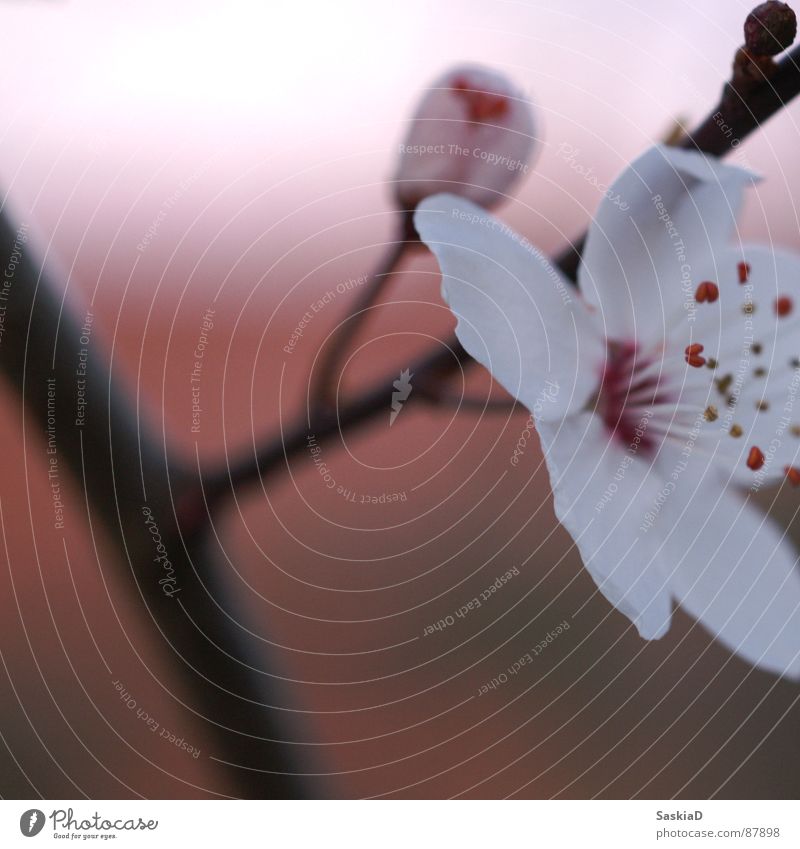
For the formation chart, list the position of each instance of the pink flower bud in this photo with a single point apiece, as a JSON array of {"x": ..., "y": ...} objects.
[{"x": 472, "y": 135}]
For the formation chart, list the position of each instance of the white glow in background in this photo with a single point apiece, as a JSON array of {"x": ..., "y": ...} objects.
[{"x": 190, "y": 81}]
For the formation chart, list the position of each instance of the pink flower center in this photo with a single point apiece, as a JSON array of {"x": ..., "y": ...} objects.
[{"x": 628, "y": 392}]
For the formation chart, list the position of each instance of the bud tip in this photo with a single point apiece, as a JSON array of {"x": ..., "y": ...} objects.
[{"x": 770, "y": 28}]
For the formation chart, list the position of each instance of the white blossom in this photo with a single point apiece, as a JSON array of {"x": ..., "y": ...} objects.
[{"x": 676, "y": 362}]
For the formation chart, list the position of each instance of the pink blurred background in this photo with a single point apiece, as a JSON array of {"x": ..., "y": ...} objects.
[{"x": 257, "y": 140}]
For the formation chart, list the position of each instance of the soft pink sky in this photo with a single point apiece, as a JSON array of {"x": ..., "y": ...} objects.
[{"x": 108, "y": 106}]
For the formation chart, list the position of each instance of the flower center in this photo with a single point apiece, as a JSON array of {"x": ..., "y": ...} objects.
[{"x": 629, "y": 388}]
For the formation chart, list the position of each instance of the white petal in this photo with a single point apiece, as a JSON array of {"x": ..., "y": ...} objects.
[
  {"x": 516, "y": 314},
  {"x": 597, "y": 487},
  {"x": 736, "y": 572},
  {"x": 660, "y": 220}
]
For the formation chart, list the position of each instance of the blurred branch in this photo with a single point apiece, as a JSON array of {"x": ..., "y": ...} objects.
[
  {"x": 442, "y": 398},
  {"x": 279, "y": 450},
  {"x": 125, "y": 467}
]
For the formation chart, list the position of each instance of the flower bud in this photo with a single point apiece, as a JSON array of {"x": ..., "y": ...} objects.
[
  {"x": 769, "y": 29},
  {"x": 472, "y": 135}
]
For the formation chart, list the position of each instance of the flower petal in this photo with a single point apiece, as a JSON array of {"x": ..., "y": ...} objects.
[
  {"x": 597, "y": 484},
  {"x": 662, "y": 217},
  {"x": 735, "y": 571},
  {"x": 516, "y": 314}
]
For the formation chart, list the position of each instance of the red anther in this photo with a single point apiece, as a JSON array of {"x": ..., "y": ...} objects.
[
  {"x": 792, "y": 475},
  {"x": 783, "y": 305},
  {"x": 706, "y": 292},
  {"x": 693, "y": 355},
  {"x": 755, "y": 459},
  {"x": 744, "y": 271}
]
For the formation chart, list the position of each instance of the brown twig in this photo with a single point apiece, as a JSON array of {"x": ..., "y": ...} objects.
[
  {"x": 435, "y": 394},
  {"x": 327, "y": 423},
  {"x": 323, "y": 387},
  {"x": 739, "y": 112}
]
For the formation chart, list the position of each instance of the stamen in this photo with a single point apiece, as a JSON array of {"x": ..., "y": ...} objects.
[
  {"x": 735, "y": 431},
  {"x": 792, "y": 475},
  {"x": 762, "y": 405},
  {"x": 755, "y": 459},
  {"x": 710, "y": 414},
  {"x": 724, "y": 383},
  {"x": 759, "y": 372},
  {"x": 693, "y": 357},
  {"x": 744, "y": 271},
  {"x": 756, "y": 348},
  {"x": 712, "y": 363},
  {"x": 707, "y": 292},
  {"x": 783, "y": 306},
  {"x": 748, "y": 308},
  {"x": 794, "y": 363},
  {"x": 795, "y": 430}
]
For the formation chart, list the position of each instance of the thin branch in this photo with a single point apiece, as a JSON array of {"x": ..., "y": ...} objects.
[
  {"x": 280, "y": 450},
  {"x": 323, "y": 395},
  {"x": 442, "y": 398},
  {"x": 743, "y": 109}
]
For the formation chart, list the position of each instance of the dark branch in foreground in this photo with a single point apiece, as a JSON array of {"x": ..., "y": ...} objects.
[{"x": 125, "y": 467}]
